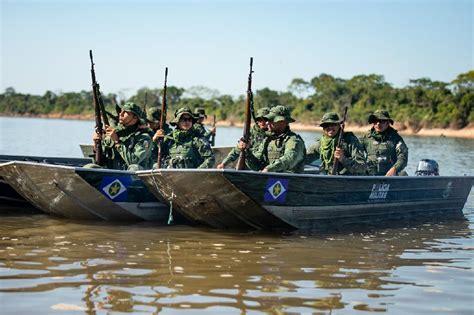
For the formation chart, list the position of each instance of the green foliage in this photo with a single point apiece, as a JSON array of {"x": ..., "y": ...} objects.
[{"x": 423, "y": 103}]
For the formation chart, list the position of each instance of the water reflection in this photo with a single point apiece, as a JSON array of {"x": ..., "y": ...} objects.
[{"x": 142, "y": 267}]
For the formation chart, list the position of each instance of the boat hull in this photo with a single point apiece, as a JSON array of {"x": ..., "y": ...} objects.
[
  {"x": 83, "y": 193},
  {"x": 243, "y": 199},
  {"x": 9, "y": 198}
]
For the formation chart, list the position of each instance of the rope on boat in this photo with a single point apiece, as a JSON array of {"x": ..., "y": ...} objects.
[{"x": 170, "y": 199}]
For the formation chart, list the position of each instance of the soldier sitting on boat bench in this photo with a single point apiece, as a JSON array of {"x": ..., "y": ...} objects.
[
  {"x": 199, "y": 129},
  {"x": 350, "y": 155},
  {"x": 182, "y": 148},
  {"x": 258, "y": 133},
  {"x": 283, "y": 150},
  {"x": 127, "y": 146},
  {"x": 153, "y": 116},
  {"x": 387, "y": 153}
]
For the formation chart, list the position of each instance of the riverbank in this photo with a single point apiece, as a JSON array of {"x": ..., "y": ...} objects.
[{"x": 467, "y": 132}]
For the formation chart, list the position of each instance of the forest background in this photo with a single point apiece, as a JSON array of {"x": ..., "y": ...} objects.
[{"x": 423, "y": 103}]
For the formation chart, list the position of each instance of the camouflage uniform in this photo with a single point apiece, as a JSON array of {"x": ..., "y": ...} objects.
[
  {"x": 133, "y": 149},
  {"x": 386, "y": 149},
  {"x": 280, "y": 153},
  {"x": 153, "y": 115},
  {"x": 324, "y": 148},
  {"x": 257, "y": 137},
  {"x": 199, "y": 129},
  {"x": 182, "y": 149}
]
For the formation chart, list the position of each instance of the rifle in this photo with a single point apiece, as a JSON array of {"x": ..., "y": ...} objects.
[
  {"x": 162, "y": 118},
  {"x": 213, "y": 136},
  {"x": 248, "y": 113},
  {"x": 339, "y": 142},
  {"x": 99, "y": 154}
]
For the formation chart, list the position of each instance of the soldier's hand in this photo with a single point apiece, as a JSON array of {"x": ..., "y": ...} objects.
[
  {"x": 242, "y": 145},
  {"x": 392, "y": 172},
  {"x": 339, "y": 154},
  {"x": 264, "y": 170},
  {"x": 160, "y": 133},
  {"x": 213, "y": 130},
  {"x": 220, "y": 166},
  {"x": 109, "y": 131},
  {"x": 96, "y": 137}
]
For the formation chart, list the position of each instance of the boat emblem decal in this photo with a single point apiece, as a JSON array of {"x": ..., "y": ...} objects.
[
  {"x": 115, "y": 187},
  {"x": 447, "y": 191},
  {"x": 379, "y": 192},
  {"x": 276, "y": 190}
]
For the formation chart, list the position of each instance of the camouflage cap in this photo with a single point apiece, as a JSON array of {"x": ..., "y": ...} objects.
[
  {"x": 180, "y": 112},
  {"x": 135, "y": 109},
  {"x": 330, "y": 118},
  {"x": 200, "y": 112},
  {"x": 380, "y": 114},
  {"x": 153, "y": 114},
  {"x": 279, "y": 113},
  {"x": 262, "y": 112}
]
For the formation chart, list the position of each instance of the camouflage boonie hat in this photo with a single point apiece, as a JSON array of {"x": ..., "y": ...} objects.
[
  {"x": 262, "y": 112},
  {"x": 135, "y": 109},
  {"x": 380, "y": 114},
  {"x": 180, "y": 112},
  {"x": 279, "y": 113},
  {"x": 330, "y": 118},
  {"x": 153, "y": 114},
  {"x": 200, "y": 112}
]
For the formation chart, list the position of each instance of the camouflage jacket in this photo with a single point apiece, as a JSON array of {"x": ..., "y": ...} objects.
[
  {"x": 257, "y": 137},
  {"x": 384, "y": 150},
  {"x": 283, "y": 153},
  {"x": 201, "y": 132},
  {"x": 133, "y": 148},
  {"x": 151, "y": 132},
  {"x": 182, "y": 149},
  {"x": 352, "y": 164}
]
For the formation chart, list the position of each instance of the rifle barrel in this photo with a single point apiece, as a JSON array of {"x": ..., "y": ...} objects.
[{"x": 339, "y": 142}]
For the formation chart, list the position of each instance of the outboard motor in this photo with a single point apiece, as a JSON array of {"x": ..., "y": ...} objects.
[{"x": 427, "y": 167}]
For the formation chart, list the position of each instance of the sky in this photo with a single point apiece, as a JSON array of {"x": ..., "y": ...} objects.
[{"x": 45, "y": 44}]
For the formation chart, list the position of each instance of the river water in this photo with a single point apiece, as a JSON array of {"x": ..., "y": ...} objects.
[{"x": 51, "y": 265}]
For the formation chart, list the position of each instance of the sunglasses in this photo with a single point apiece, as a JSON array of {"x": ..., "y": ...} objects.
[
  {"x": 184, "y": 119},
  {"x": 378, "y": 121}
]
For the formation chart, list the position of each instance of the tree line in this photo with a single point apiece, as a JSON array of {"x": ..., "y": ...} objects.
[{"x": 423, "y": 103}]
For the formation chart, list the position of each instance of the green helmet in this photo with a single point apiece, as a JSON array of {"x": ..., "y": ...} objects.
[
  {"x": 153, "y": 114},
  {"x": 135, "y": 109},
  {"x": 330, "y": 118},
  {"x": 200, "y": 112},
  {"x": 180, "y": 112},
  {"x": 279, "y": 113},
  {"x": 262, "y": 112},
  {"x": 380, "y": 114}
]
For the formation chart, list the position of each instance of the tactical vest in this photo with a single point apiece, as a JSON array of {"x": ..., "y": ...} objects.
[
  {"x": 381, "y": 156},
  {"x": 115, "y": 160}
]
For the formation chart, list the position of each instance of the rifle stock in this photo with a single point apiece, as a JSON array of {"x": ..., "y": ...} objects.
[
  {"x": 339, "y": 142},
  {"x": 162, "y": 119},
  {"x": 99, "y": 154},
  {"x": 248, "y": 115}
]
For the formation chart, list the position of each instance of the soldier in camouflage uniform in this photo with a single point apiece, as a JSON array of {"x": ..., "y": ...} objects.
[
  {"x": 258, "y": 133},
  {"x": 182, "y": 148},
  {"x": 283, "y": 150},
  {"x": 153, "y": 116},
  {"x": 350, "y": 155},
  {"x": 127, "y": 146},
  {"x": 199, "y": 129},
  {"x": 387, "y": 153}
]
